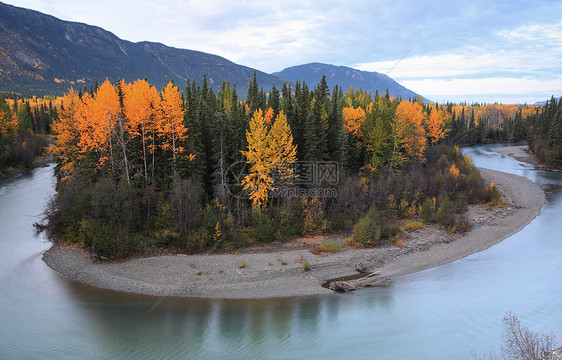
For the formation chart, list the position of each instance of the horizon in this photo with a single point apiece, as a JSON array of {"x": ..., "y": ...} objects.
[{"x": 503, "y": 58}]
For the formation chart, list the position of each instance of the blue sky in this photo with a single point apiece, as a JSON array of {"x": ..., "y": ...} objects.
[{"x": 485, "y": 51}]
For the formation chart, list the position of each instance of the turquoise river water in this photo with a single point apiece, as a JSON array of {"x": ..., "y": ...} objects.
[{"x": 446, "y": 312}]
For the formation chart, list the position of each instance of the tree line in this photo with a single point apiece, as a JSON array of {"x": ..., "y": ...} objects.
[
  {"x": 19, "y": 143},
  {"x": 545, "y": 133}
]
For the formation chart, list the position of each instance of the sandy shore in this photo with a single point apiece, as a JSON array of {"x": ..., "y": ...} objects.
[
  {"x": 521, "y": 153},
  {"x": 278, "y": 272}
]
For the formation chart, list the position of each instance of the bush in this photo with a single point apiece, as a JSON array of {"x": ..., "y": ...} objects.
[
  {"x": 427, "y": 212},
  {"x": 288, "y": 220},
  {"x": 313, "y": 216},
  {"x": 366, "y": 232},
  {"x": 374, "y": 228},
  {"x": 106, "y": 243},
  {"x": 491, "y": 193},
  {"x": 327, "y": 247},
  {"x": 446, "y": 213}
]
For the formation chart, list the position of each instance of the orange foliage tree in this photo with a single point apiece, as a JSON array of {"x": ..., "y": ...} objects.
[
  {"x": 436, "y": 126},
  {"x": 171, "y": 120},
  {"x": 353, "y": 120},
  {"x": 410, "y": 117},
  {"x": 66, "y": 134},
  {"x": 142, "y": 103}
]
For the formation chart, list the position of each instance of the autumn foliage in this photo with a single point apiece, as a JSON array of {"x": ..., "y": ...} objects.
[
  {"x": 268, "y": 151},
  {"x": 94, "y": 132},
  {"x": 354, "y": 119},
  {"x": 143, "y": 168}
]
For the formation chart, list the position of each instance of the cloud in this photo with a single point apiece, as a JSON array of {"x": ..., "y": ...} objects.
[
  {"x": 491, "y": 86},
  {"x": 474, "y": 62},
  {"x": 450, "y": 39}
]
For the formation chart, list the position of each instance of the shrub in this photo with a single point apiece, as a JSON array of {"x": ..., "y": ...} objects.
[
  {"x": 491, "y": 193},
  {"x": 313, "y": 215},
  {"x": 413, "y": 225},
  {"x": 427, "y": 212},
  {"x": 327, "y": 247},
  {"x": 446, "y": 213},
  {"x": 265, "y": 229},
  {"x": 374, "y": 227},
  {"x": 366, "y": 232},
  {"x": 287, "y": 220}
]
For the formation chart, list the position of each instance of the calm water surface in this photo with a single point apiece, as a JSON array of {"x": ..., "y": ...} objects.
[{"x": 441, "y": 313}]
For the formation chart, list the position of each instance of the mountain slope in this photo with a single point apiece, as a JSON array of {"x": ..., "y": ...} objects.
[
  {"x": 41, "y": 54},
  {"x": 346, "y": 77}
]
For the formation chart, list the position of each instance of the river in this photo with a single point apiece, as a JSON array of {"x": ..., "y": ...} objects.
[{"x": 441, "y": 313}]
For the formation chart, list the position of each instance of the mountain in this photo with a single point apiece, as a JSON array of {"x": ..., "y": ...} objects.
[
  {"x": 541, "y": 103},
  {"x": 40, "y": 54},
  {"x": 346, "y": 77}
]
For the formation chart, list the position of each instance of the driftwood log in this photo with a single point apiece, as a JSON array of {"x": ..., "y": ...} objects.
[{"x": 350, "y": 285}]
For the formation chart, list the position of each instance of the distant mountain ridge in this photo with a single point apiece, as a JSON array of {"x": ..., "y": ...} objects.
[
  {"x": 345, "y": 77},
  {"x": 541, "y": 103},
  {"x": 40, "y": 54}
]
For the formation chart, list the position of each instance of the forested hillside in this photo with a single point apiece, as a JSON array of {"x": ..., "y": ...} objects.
[{"x": 43, "y": 55}]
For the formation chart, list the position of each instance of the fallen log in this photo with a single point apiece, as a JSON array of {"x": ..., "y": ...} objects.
[{"x": 351, "y": 285}]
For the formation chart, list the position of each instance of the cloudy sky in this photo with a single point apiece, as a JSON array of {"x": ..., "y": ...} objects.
[{"x": 507, "y": 51}]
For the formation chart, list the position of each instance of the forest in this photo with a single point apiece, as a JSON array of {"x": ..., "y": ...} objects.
[
  {"x": 20, "y": 126},
  {"x": 545, "y": 134},
  {"x": 143, "y": 170}
]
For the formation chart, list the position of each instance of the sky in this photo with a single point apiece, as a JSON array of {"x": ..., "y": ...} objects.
[{"x": 505, "y": 51}]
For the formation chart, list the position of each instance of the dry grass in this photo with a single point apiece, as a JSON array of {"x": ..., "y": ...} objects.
[
  {"x": 327, "y": 247},
  {"x": 413, "y": 225}
]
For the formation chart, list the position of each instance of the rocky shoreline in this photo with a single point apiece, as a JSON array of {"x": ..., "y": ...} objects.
[{"x": 279, "y": 271}]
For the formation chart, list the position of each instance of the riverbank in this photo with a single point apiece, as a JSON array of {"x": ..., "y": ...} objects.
[
  {"x": 278, "y": 271},
  {"x": 521, "y": 153}
]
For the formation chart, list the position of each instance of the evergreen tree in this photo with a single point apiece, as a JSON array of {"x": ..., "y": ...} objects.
[{"x": 273, "y": 101}]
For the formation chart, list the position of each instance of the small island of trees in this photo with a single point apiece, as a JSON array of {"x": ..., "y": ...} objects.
[{"x": 143, "y": 171}]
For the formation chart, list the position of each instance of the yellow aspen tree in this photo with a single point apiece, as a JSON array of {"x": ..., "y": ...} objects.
[
  {"x": 141, "y": 104},
  {"x": 110, "y": 122},
  {"x": 171, "y": 120},
  {"x": 436, "y": 126},
  {"x": 66, "y": 134},
  {"x": 259, "y": 180},
  {"x": 410, "y": 116},
  {"x": 93, "y": 138},
  {"x": 283, "y": 151}
]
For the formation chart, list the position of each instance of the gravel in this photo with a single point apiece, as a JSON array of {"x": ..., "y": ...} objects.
[{"x": 279, "y": 272}]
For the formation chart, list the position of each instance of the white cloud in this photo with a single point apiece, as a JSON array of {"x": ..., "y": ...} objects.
[
  {"x": 463, "y": 63},
  {"x": 492, "y": 89},
  {"x": 453, "y": 39}
]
